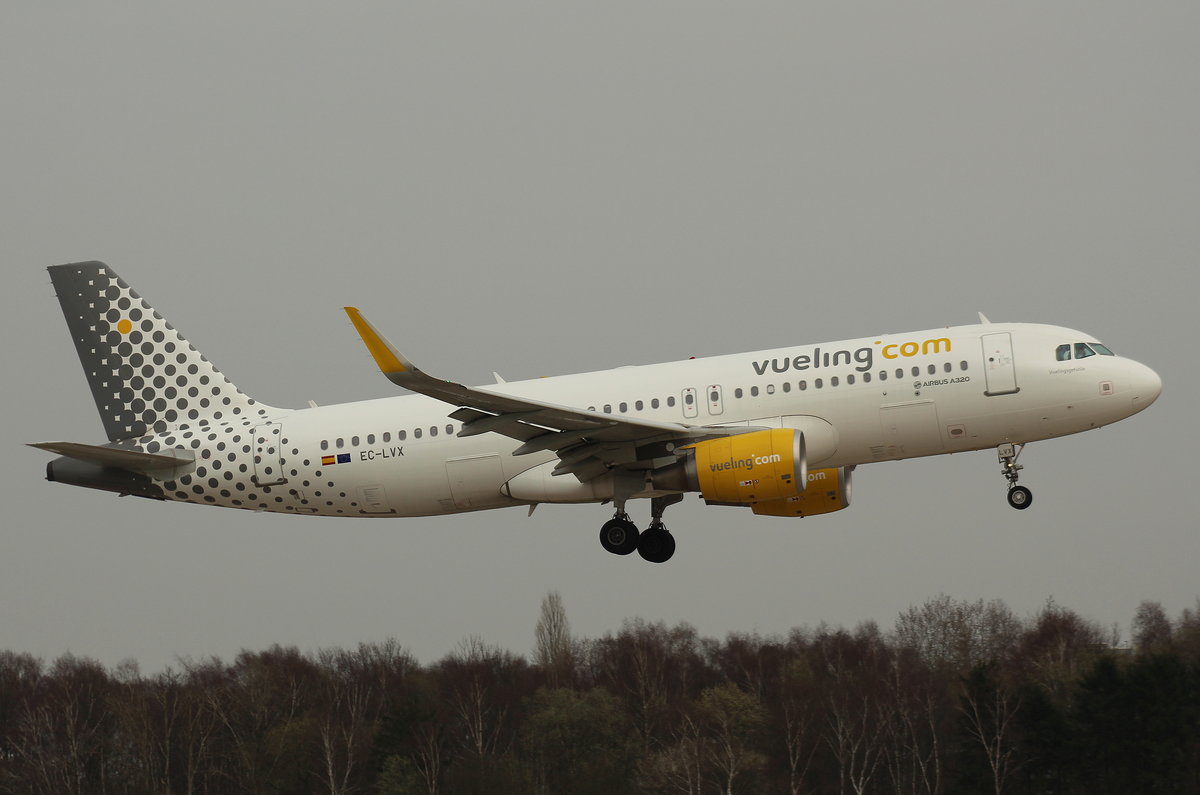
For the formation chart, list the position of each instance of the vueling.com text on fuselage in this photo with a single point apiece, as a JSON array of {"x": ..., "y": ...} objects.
[{"x": 863, "y": 358}]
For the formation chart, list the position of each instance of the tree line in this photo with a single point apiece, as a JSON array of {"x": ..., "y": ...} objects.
[{"x": 957, "y": 697}]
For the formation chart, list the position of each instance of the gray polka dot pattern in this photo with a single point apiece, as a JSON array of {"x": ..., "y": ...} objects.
[
  {"x": 145, "y": 377},
  {"x": 156, "y": 392}
]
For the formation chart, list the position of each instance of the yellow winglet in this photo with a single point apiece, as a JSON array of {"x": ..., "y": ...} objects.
[{"x": 387, "y": 357}]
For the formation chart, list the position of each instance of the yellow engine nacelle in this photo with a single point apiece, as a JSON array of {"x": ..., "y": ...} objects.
[
  {"x": 828, "y": 491},
  {"x": 749, "y": 468}
]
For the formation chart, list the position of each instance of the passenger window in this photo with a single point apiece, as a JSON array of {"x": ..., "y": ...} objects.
[
  {"x": 803, "y": 385},
  {"x": 850, "y": 379},
  {"x": 787, "y": 386},
  {"x": 339, "y": 444},
  {"x": 899, "y": 372},
  {"x": 833, "y": 381},
  {"x": 770, "y": 389},
  {"x": 608, "y": 408},
  {"x": 591, "y": 408},
  {"x": 449, "y": 430},
  {"x": 654, "y": 403},
  {"x": 625, "y": 407},
  {"x": 753, "y": 391},
  {"x": 387, "y": 436},
  {"x": 433, "y": 430},
  {"x": 963, "y": 365},
  {"x": 1063, "y": 353},
  {"x": 916, "y": 371},
  {"x": 689, "y": 398},
  {"x": 324, "y": 444},
  {"x": 370, "y": 438},
  {"x": 883, "y": 375},
  {"x": 671, "y": 401},
  {"x": 818, "y": 383},
  {"x": 1082, "y": 351},
  {"x": 932, "y": 369},
  {"x": 866, "y": 378},
  {"x": 416, "y": 433},
  {"x": 737, "y": 393},
  {"x": 639, "y": 405},
  {"x": 948, "y": 367},
  {"x": 401, "y": 436}
]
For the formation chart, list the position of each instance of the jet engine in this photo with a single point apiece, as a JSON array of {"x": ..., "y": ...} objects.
[
  {"x": 828, "y": 491},
  {"x": 744, "y": 469}
]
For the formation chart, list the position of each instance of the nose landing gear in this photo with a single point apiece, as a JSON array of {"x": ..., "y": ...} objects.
[{"x": 1019, "y": 497}]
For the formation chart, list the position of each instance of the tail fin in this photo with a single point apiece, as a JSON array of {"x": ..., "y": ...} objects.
[{"x": 145, "y": 377}]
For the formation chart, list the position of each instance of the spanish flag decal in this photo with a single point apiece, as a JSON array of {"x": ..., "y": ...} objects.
[{"x": 327, "y": 460}]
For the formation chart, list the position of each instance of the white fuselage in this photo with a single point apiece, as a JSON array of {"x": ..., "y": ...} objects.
[{"x": 865, "y": 400}]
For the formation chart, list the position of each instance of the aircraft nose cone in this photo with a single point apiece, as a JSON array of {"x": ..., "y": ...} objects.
[{"x": 1146, "y": 386}]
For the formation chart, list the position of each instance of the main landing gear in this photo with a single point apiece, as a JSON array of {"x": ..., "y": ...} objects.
[
  {"x": 620, "y": 536},
  {"x": 1019, "y": 497}
]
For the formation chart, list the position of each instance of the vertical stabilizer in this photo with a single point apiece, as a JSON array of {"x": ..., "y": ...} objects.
[{"x": 145, "y": 377}]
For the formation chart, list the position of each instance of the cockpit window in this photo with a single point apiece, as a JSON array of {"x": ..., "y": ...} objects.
[
  {"x": 1063, "y": 353},
  {"x": 1082, "y": 350},
  {"x": 1100, "y": 349}
]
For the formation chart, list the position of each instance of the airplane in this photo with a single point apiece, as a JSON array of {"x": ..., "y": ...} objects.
[{"x": 778, "y": 431}]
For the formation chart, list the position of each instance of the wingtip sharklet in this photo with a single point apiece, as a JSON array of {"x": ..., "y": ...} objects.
[{"x": 387, "y": 357}]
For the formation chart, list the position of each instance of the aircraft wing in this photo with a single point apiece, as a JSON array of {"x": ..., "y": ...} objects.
[{"x": 587, "y": 443}]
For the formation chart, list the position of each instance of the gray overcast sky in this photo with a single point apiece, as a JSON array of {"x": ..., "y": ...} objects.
[{"x": 549, "y": 187}]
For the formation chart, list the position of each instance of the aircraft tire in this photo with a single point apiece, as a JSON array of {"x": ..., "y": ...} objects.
[
  {"x": 656, "y": 546},
  {"x": 619, "y": 536},
  {"x": 1020, "y": 497}
]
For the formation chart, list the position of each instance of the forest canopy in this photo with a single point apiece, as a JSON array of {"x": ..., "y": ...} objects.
[{"x": 957, "y": 696}]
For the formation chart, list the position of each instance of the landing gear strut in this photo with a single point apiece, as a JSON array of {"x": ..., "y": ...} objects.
[
  {"x": 620, "y": 536},
  {"x": 1019, "y": 497}
]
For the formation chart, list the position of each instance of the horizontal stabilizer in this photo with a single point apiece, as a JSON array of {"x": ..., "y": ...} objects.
[{"x": 164, "y": 465}]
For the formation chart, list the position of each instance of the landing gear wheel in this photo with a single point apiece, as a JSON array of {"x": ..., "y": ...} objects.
[
  {"x": 656, "y": 545},
  {"x": 619, "y": 536},
  {"x": 1020, "y": 497}
]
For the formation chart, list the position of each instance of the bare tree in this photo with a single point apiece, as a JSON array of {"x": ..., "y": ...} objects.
[
  {"x": 350, "y": 702},
  {"x": 733, "y": 720},
  {"x": 856, "y": 705},
  {"x": 555, "y": 650},
  {"x": 918, "y": 699},
  {"x": 989, "y": 707},
  {"x": 1058, "y": 647},
  {"x": 261, "y": 707},
  {"x": 63, "y": 730},
  {"x": 1151, "y": 628},
  {"x": 652, "y": 668},
  {"x": 798, "y": 701},
  {"x": 429, "y": 754},
  {"x": 678, "y": 766},
  {"x": 958, "y": 634}
]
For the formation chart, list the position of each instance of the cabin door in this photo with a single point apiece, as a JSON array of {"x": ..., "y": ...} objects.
[
  {"x": 999, "y": 370},
  {"x": 268, "y": 454}
]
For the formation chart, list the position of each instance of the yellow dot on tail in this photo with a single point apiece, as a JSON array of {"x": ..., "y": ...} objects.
[{"x": 124, "y": 326}]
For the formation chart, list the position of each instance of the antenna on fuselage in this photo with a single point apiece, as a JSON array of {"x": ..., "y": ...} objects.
[{"x": 983, "y": 319}]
